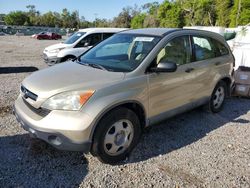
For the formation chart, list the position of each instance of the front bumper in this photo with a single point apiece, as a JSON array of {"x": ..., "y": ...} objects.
[
  {"x": 51, "y": 60},
  {"x": 64, "y": 130}
]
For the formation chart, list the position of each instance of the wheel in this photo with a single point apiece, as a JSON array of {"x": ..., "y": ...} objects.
[
  {"x": 218, "y": 97},
  {"x": 68, "y": 58},
  {"x": 116, "y": 135}
]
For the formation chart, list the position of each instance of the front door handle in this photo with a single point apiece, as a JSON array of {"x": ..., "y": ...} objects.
[{"x": 188, "y": 70}]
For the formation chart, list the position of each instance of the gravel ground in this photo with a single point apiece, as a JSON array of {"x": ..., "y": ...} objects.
[{"x": 195, "y": 149}]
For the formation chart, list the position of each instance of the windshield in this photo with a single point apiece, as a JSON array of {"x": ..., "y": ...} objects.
[
  {"x": 121, "y": 52},
  {"x": 74, "y": 37}
]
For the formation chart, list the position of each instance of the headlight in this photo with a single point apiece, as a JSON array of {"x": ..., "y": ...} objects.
[
  {"x": 68, "y": 100},
  {"x": 56, "y": 50}
]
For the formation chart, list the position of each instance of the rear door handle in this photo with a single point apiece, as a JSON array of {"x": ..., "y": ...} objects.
[{"x": 188, "y": 70}]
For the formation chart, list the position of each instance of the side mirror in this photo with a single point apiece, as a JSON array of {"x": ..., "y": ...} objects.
[
  {"x": 165, "y": 66},
  {"x": 86, "y": 44}
]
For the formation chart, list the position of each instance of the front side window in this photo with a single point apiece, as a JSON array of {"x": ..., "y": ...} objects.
[
  {"x": 74, "y": 37},
  {"x": 177, "y": 51},
  {"x": 121, "y": 52},
  {"x": 90, "y": 40},
  {"x": 203, "y": 48}
]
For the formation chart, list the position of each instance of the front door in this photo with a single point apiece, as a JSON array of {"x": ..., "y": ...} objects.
[
  {"x": 169, "y": 91},
  {"x": 86, "y": 43}
]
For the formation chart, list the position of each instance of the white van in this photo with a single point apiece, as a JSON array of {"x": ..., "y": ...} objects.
[{"x": 77, "y": 44}]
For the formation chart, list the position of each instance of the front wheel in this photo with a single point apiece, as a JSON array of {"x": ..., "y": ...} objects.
[
  {"x": 116, "y": 135},
  {"x": 218, "y": 97}
]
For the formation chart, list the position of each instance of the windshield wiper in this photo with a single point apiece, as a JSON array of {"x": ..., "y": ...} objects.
[
  {"x": 93, "y": 65},
  {"x": 97, "y": 66}
]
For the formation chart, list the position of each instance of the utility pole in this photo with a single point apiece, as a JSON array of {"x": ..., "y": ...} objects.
[
  {"x": 238, "y": 12},
  {"x": 95, "y": 18}
]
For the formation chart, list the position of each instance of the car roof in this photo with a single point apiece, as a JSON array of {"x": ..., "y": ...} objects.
[
  {"x": 165, "y": 31},
  {"x": 151, "y": 31},
  {"x": 99, "y": 29}
]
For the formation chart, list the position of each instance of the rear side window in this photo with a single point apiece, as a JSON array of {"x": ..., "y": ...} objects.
[{"x": 203, "y": 48}]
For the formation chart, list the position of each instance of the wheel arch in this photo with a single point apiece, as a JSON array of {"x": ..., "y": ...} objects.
[
  {"x": 133, "y": 105},
  {"x": 228, "y": 82},
  {"x": 68, "y": 56}
]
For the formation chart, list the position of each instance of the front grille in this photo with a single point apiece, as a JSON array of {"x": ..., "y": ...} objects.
[
  {"x": 28, "y": 94},
  {"x": 39, "y": 111}
]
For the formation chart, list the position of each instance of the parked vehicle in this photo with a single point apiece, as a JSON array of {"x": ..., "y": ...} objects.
[
  {"x": 2, "y": 33},
  {"x": 136, "y": 78},
  {"x": 47, "y": 35},
  {"x": 77, "y": 44}
]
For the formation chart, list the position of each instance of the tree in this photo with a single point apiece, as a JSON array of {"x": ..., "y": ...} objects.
[
  {"x": 34, "y": 15},
  {"x": 169, "y": 15},
  {"x": 240, "y": 13},
  {"x": 151, "y": 19},
  {"x": 16, "y": 18},
  {"x": 223, "y": 9},
  {"x": 138, "y": 21},
  {"x": 74, "y": 20},
  {"x": 70, "y": 20},
  {"x": 65, "y": 18},
  {"x": 198, "y": 12},
  {"x": 102, "y": 23},
  {"x": 125, "y": 17},
  {"x": 2, "y": 17},
  {"x": 48, "y": 19},
  {"x": 151, "y": 8}
]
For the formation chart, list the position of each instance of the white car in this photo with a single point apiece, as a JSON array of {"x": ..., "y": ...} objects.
[{"x": 77, "y": 44}]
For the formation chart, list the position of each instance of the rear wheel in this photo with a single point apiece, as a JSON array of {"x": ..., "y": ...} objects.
[
  {"x": 116, "y": 135},
  {"x": 218, "y": 97}
]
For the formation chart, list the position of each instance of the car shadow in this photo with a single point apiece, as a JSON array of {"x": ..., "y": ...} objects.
[
  {"x": 10, "y": 70},
  {"x": 27, "y": 162},
  {"x": 187, "y": 128}
]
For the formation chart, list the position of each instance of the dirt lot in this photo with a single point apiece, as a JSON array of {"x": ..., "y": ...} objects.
[{"x": 195, "y": 149}]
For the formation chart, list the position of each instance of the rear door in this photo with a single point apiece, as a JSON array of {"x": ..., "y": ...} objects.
[{"x": 205, "y": 64}]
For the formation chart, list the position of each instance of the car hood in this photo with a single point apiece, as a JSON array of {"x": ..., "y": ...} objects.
[
  {"x": 56, "y": 46},
  {"x": 68, "y": 76}
]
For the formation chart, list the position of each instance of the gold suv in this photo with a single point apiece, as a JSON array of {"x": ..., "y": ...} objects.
[{"x": 101, "y": 101}]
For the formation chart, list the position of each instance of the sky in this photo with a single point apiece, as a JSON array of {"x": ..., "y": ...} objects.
[{"x": 89, "y": 9}]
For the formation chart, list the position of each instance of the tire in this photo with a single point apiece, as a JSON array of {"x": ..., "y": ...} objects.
[
  {"x": 116, "y": 135},
  {"x": 68, "y": 58},
  {"x": 218, "y": 97}
]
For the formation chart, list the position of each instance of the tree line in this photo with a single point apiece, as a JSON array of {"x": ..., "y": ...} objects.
[{"x": 170, "y": 13}]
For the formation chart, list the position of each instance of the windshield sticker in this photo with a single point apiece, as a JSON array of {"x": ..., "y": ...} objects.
[
  {"x": 79, "y": 34},
  {"x": 144, "y": 39}
]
